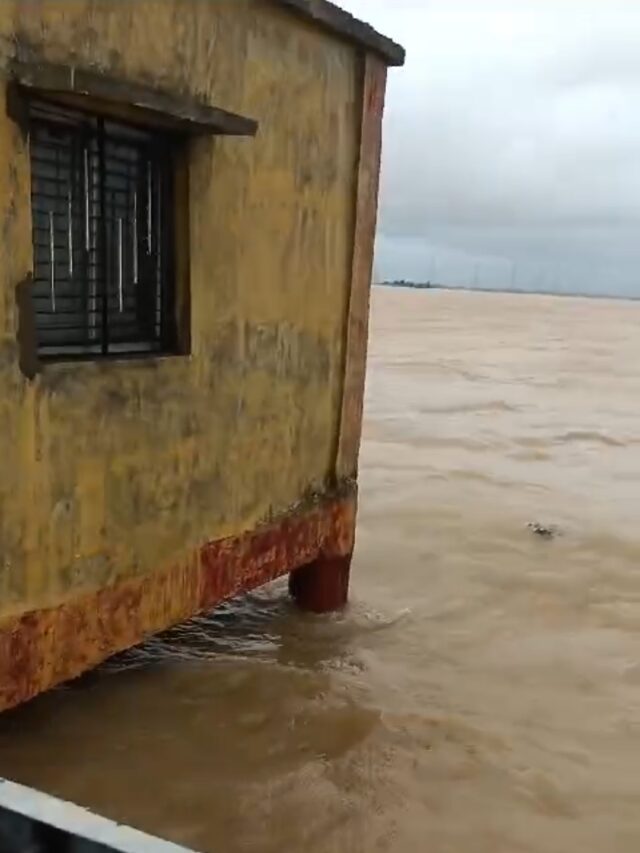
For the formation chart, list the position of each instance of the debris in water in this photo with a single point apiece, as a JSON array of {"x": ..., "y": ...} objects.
[{"x": 547, "y": 531}]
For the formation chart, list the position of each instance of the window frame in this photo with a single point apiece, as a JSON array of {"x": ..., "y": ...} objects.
[
  {"x": 130, "y": 101},
  {"x": 156, "y": 332}
]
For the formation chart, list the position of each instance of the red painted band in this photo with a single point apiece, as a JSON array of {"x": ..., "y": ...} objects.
[{"x": 43, "y": 648}]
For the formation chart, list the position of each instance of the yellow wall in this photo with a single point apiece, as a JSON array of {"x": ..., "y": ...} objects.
[{"x": 117, "y": 469}]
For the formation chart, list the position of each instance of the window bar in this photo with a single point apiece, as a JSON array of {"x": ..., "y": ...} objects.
[
  {"x": 135, "y": 236},
  {"x": 157, "y": 326},
  {"x": 86, "y": 199},
  {"x": 120, "y": 270},
  {"x": 149, "y": 208},
  {"x": 52, "y": 263},
  {"x": 90, "y": 276},
  {"x": 70, "y": 231},
  {"x": 104, "y": 254}
]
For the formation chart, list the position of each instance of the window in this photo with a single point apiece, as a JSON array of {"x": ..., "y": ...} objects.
[{"x": 103, "y": 235}]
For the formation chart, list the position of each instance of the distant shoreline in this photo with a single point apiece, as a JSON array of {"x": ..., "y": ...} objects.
[{"x": 411, "y": 285}]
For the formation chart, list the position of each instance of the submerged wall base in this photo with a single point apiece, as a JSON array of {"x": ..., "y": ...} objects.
[
  {"x": 321, "y": 586},
  {"x": 43, "y": 648}
]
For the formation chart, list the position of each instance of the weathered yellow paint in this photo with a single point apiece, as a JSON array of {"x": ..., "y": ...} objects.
[{"x": 117, "y": 470}]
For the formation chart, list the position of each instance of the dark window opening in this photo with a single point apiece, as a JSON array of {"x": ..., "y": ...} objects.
[{"x": 103, "y": 235}]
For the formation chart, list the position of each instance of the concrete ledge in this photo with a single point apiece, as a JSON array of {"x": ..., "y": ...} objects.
[
  {"x": 73, "y": 86},
  {"x": 37, "y": 823}
]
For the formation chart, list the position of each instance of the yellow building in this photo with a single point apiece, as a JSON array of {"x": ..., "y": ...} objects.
[{"x": 188, "y": 193}]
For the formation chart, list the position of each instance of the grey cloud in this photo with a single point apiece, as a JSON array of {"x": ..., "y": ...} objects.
[{"x": 512, "y": 141}]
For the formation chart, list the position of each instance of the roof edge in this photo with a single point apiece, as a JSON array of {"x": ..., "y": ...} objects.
[{"x": 344, "y": 24}]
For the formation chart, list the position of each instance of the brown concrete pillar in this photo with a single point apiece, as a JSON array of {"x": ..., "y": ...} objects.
[{"x": 321, "y": 586}]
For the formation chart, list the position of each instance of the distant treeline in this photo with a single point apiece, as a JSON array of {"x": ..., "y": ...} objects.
[
  {"x": 428, "y": 285},
  {"x": 417, "y": 285}
]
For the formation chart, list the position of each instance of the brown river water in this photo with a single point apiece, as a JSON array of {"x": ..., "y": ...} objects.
[{"x": 481, "y": 693}]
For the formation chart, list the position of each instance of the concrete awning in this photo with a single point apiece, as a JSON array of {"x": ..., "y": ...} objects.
[{"x": 72, "y": 87}]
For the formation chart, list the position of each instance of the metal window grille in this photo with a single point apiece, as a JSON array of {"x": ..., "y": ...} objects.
[{"x": 103, "y": 235}]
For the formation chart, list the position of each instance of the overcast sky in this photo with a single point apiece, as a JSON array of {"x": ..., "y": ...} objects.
[{"x": 512, "y": 143}]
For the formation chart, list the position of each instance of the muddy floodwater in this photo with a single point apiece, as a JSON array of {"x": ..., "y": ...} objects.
[{"x": 482, "y": 692}]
